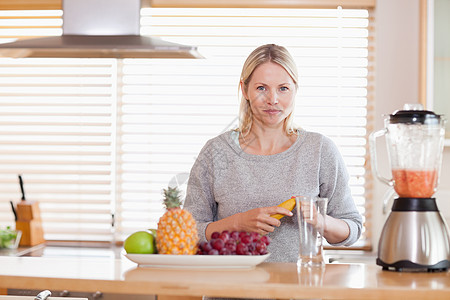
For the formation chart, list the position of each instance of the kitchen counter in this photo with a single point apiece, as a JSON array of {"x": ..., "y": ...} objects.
[
  {"x": 276, "y": 280},
  {"x": 22, "y": 250}
]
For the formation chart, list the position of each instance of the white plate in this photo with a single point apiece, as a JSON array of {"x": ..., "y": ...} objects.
[{"x": 196, "y": 261}]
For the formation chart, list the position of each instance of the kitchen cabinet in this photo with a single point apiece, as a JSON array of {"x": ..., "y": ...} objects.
[{"x": 435, "y": 58}]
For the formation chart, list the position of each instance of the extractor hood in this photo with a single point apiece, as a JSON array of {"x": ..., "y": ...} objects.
[{"x": 99, "y": 29}]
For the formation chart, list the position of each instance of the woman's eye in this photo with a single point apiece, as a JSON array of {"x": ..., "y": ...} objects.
[
  {"x": 284, "y": 88},
  {"x": 261, "y": 88}
]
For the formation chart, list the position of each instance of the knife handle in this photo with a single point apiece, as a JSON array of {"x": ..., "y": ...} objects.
[
  {"x": 13, "y": 210},
  {"x": 21, "y": 188}
]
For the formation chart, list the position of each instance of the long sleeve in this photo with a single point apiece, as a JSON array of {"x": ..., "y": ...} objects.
[
  {"x": 334, "y": 186},
  {"x": 199, "y": 196}
]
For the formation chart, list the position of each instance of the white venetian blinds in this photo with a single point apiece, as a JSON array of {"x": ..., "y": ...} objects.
[
  {"x": 94, "y": 138},
  {"x": 57, "y": 124}
]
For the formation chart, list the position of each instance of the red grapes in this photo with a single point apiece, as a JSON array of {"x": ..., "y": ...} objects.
[{"x": 235, "y": 243}]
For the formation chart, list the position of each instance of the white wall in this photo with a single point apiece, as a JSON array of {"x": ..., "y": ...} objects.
[{"x": 396, "y": 83}]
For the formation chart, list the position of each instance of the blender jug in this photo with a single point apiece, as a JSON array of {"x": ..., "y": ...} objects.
[
  {"x": 415, "y": 236},
  {"x": 415, "y": 141}
]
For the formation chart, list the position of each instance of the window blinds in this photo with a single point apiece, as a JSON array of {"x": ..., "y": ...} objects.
[
  {"x": 57, "y": 125},
  {"x": 100, "y": 138}
]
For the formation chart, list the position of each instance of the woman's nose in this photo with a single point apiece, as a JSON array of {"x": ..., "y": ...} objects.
[{"x": 272, "y": 98}]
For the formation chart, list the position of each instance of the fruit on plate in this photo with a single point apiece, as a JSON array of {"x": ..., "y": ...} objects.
[
  {"x": 177, "y": 229},
  {"x": 235, "y": 243},
  {"x": 288, "y": 204},
  {"x": 140, "y": 242}
]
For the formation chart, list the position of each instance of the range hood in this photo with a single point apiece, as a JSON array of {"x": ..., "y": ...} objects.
[{"x": 99, "y": 29}]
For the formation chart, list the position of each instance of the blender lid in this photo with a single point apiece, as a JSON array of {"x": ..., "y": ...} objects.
[{"x": 414, "y": 117}]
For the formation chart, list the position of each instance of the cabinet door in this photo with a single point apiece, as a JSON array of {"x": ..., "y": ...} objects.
[
  {"x": 441, "y": 60},
  {"x": 436, "y": 57}
]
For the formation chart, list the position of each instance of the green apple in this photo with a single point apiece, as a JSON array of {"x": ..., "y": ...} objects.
[{"x": 140, "y": 242}]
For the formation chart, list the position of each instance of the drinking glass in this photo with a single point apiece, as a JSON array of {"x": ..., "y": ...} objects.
[{"x": 311, "y": 212}]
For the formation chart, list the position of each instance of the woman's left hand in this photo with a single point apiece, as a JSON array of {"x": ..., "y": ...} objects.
[{"x": 311, "y": 216}]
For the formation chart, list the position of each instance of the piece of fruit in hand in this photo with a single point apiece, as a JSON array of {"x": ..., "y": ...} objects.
[{"x": 288, "y": 204}]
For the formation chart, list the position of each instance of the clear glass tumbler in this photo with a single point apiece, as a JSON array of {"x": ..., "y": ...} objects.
[{"x": 311, "y": 212}]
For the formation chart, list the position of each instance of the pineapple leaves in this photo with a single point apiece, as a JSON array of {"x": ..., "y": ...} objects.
[{"x": 172, "y": 197}]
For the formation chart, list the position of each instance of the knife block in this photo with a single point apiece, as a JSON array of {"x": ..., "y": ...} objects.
[{"x": 29, "y": 222}]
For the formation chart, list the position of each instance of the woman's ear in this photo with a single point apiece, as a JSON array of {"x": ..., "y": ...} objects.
[{"x": 244, "y": 93}]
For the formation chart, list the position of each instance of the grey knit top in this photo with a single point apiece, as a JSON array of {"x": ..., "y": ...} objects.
[{"x": 225, "y": 180}]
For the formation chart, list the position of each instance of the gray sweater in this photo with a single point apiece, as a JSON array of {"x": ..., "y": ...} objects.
[{"x": 225, "y": 180}]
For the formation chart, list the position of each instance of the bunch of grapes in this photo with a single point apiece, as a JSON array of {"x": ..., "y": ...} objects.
[{"x": 235, "y": 243}]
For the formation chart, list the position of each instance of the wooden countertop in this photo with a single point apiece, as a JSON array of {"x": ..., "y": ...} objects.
[{"x": 267, "y": 280}]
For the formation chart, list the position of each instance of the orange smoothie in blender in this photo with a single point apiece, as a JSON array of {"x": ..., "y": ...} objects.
[{"x": 414, "y": 183}]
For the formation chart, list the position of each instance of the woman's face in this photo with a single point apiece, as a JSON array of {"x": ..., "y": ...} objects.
[{"x": 271, "y": 93}]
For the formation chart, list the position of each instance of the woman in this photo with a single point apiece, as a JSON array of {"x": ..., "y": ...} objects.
[{"x": 241, "y": 176}]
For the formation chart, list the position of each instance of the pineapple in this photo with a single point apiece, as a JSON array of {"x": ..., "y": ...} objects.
[{"x": 177, "y": 229}]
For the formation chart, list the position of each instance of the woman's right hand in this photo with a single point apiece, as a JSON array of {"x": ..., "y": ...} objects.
[{"x": 255, "y": 220}]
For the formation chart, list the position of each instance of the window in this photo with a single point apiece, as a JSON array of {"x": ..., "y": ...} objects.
[{"x": 97, "y": 138}]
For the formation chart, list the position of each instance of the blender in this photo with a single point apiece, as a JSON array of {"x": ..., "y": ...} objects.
[{"x": 415, "y": 237}]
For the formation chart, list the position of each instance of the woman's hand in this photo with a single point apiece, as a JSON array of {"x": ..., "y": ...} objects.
[
  {"x": 255, "y": 220},
  {"x": 333, "y": 230},
  {"x": 260, "y": 220},
  {"x": 312, "y": 217}
]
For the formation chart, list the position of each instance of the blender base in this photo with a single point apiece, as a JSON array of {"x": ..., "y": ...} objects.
[
  {"x": 408, "y": 266},
  {"x": 415, "y": 237}
]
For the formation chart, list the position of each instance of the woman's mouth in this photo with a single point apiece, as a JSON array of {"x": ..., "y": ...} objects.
[{"x": 271, "y": 111}]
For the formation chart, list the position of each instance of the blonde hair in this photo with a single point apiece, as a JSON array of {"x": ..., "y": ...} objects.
[{"x": 263, "y": 54}]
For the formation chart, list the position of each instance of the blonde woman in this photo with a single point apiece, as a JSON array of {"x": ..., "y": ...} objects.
[{"x": 241, "y": 176}]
